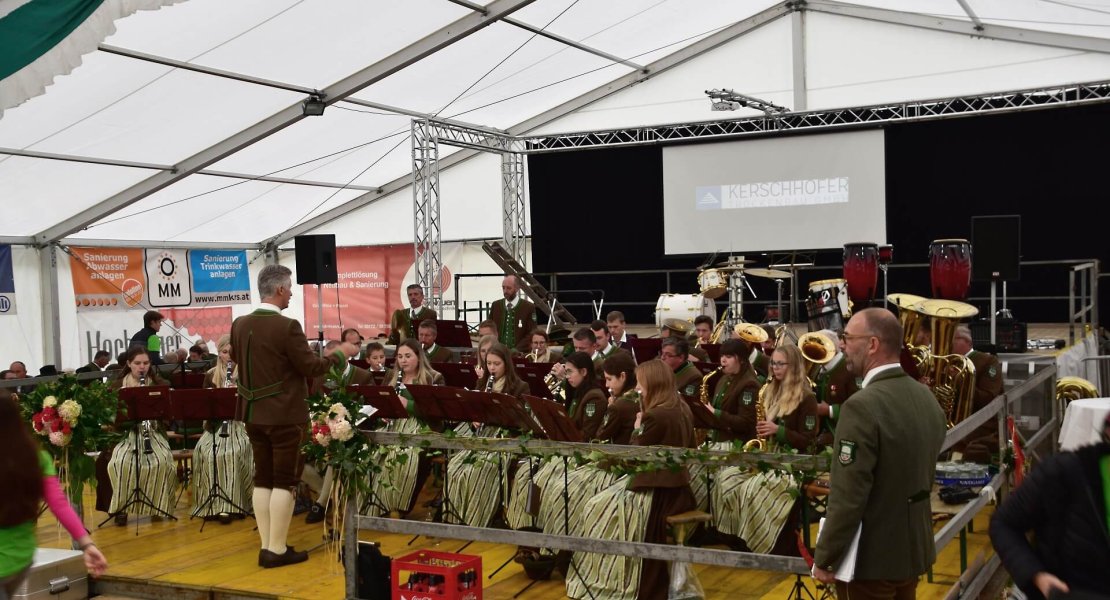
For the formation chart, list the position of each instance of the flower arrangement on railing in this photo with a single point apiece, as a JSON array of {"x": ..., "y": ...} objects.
[
  {"x": 71, "y": 419},
  {"x": 336, "y": 442}
]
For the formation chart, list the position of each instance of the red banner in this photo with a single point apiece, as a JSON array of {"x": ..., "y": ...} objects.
[{"x": 371, "y": 286}]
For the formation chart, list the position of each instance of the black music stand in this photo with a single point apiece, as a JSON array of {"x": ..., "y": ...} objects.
[
  {"x": 713, "y": 350},
  {"x": 387, "y": 405},
  {"x": 458, "y": 375},
  {"x": 645, "y": 349},
  {"x": 151, "y": 403},
  {"x": 704, "y": 418},
  {"x": 535, "y": 379},
  {"x": 212, "y": 404},
  {"x": 452, "y": 334},
  {"x": 554, "y": 419}
]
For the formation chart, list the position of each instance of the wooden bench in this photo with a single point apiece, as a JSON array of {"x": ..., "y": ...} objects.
[{"x": 683, "y": 524}]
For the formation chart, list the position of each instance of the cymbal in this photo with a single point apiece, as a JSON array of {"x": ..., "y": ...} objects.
[
  {"x": 735, "y": 261},
  {"x": 768, "y": 273}
]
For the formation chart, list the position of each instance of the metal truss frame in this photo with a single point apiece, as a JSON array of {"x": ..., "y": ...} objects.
[
  {"x": 427, "y": 135},
  {"x": 920, "y": 110}
]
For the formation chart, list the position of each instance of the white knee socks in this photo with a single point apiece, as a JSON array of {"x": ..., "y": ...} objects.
[
  {"x": 261, "y": 499},
  {"x": 281, "y": 511}
]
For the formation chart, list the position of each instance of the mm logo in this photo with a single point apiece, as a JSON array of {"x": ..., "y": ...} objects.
[
  {"x": 169, "y": 289},
  {"x": 5, "y": 304},
  {"x": 168, "y": 278}
]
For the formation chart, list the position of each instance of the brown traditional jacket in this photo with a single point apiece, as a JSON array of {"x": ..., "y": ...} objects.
[
  {"x": 274, "y": 359},
  {"x": 440, "y": 355},
  {"x": 665, "y": 426},
  {"x": 589, "y": 412},
  {"x": 522, "y": 322},
  {"x": 733, "y": 399},
  {"x": 620, "y": 419},
  {"x": 799, "y": 428},
  {"x": 400, "y": 324},
  {"x": 687, "y": 379},
  {"x": 988, "y": 378},
  {"x": 359, "y": 376}
]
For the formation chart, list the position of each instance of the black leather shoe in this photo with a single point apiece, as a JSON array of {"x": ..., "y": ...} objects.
[
  {"x": 121, "y": 520},
  {"x": 269, "y": 560},
  {"x": 315, "y": 514},
  {"x": 287, "y": 549}
]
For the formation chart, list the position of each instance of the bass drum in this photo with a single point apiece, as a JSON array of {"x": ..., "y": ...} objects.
[
  {"x": 828, "y": 306},
  {"x": 683, "y": 306}
]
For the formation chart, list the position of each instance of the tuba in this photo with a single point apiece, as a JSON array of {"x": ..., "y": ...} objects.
[
  {"x": 910, "y": 316},
  {"x": 750, "y": 333},
  {"x": 1073, "y": 388},
  {"x": 719, "y": 329},
  {"x": 953, "y": 375}
]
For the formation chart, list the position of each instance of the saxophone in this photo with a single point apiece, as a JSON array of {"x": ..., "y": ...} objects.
[
  {"x": 704, "y": 391},
  {"x": 758, "y": 444}
]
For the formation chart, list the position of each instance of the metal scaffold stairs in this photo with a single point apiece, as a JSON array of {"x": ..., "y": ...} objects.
[{"x": 543, "y": 299}]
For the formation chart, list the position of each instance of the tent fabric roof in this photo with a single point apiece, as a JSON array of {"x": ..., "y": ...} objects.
[{"x": 133, "y": 107}]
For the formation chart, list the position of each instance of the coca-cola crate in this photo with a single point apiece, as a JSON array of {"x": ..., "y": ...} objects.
[{"x": 432, "y": 575}]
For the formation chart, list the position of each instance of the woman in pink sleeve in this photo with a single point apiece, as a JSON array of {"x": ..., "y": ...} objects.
[{"x": 28, "y": 474}]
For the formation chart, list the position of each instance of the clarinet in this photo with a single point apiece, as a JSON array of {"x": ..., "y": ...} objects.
[
  {"x": 399, "y": 386},
  {"x": 144, "y": 427},
  {"x": 228, "y": 382},
  {"x": 489, "y": 383}
]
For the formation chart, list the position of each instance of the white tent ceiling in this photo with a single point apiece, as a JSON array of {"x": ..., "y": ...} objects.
[{"x": 136, "y": 108}]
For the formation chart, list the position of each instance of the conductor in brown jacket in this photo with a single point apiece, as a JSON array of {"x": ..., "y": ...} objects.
[{"x": 274, "y": 359}]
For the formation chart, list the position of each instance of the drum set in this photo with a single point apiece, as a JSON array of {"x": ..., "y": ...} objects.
[{"x": 829, "y": 302}]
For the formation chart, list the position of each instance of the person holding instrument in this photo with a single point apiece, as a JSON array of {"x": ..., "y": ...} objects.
[
  {"x": 398, "y": 484},
  {"x": 29, "y": 475},
  {"x": 234, "y": 457},
  {"x": 157, "y": 473},
  {"x": 401, "y": 324},
  {"x": 786, "y": 421},
  {"x": 473, "y": 476},
  {"x": 635, "y": 507},
  {"x": 587, "y": 401}
]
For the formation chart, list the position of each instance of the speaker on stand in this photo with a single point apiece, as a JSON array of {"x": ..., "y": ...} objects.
[
  {"x": 315, "y": 256},
  {"x": 996, "y": 240}
]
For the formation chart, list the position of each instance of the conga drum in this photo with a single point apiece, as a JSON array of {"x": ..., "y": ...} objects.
[
  {"x": 861, "y": 270},
  {"x": 950, "y": 268}
]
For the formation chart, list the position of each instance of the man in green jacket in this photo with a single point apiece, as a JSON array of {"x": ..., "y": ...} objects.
[{"x": 884, "y": 461}]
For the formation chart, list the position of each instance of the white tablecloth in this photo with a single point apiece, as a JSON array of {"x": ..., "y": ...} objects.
[{"x": 1083, "y": 422}]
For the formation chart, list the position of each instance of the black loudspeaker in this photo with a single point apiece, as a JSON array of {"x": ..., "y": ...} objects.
[
  {"x": 996, "y": 241},
  {"x": 315, "y": 259}
]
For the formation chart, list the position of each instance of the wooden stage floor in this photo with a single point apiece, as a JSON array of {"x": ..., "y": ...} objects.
[{"x": 174, "y": 559}]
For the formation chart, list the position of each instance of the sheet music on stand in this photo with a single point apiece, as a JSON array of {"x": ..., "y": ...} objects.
[
  {"x": 554, "y": 419},
  {"x": 149, "y": 403},
  {"x": 382, "y": 398}
]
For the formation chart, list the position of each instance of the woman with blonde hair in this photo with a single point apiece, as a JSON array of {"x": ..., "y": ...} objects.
[
  {"x": 395, "y": 488},
  {"x": 754, "y": 511},
  {"x": 635, "y": 507},
  {"x": 234, "y": 457}
]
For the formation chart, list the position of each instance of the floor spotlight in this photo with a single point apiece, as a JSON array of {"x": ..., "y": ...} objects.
[{"x": 313, "y": 106}]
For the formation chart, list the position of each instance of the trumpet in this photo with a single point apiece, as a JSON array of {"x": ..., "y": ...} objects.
[{"x": 533, "y": 356}]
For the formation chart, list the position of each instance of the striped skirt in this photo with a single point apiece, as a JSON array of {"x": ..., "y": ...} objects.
[
  {"x": 583, "y": 483},
  {"x": 471, "y": 495},
  {"x": 752, "y": 506},
  {"x": 234, "y": 466},
  {"x": 616, "y": 513},
  {"x": 394, "y": 486},
  {"x": 517, "y": 511},
  {"x": 157, "y": 474}
]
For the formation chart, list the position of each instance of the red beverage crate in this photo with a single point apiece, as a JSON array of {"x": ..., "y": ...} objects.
[{"x": 431, "y": 575}]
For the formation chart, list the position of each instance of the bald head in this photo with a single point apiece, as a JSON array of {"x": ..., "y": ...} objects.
[
  {"x": 510, "y": 286},
  {"x": 884, "y": 325}
]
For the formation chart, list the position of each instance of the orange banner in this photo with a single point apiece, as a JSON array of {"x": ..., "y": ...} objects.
[
  {"x": 371, "y": 286},
  {"x": 108, "y": 278}
]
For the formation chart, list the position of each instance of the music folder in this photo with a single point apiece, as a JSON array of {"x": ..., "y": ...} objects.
[
  {"x": 704, "y": 418},
  {"x": 211, "y": 404},
  {"x": 645, "y": 349},
  {"x": 383, "y": 398},
  {"x": 150, "y": 403},
  {"x": 458, "y": 375},
  {"x": 514, "y": 410},
  {"x": 554, "y": 419}
]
